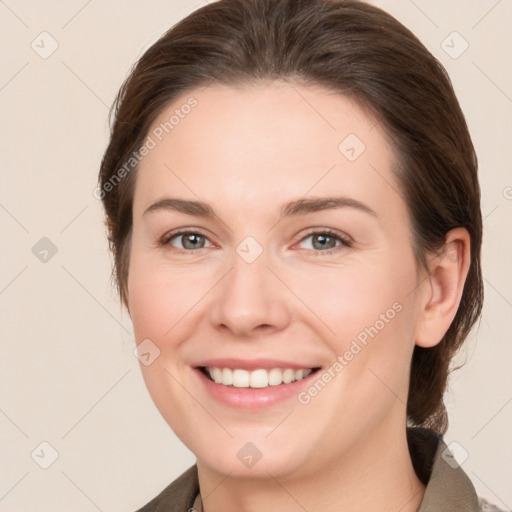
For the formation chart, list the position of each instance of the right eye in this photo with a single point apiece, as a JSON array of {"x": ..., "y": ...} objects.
[{"x": 190, "y": 241}]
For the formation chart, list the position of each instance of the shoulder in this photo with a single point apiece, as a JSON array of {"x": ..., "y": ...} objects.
[{"x": 179, "y": 495}]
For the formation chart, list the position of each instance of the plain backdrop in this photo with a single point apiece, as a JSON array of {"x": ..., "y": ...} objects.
[{"x": 68, "y": 376}]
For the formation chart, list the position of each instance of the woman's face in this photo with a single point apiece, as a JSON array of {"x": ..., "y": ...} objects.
[{"x": 266, "y": 283}]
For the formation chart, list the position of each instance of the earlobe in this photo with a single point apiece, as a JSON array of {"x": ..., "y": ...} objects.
[{"x": 443, "y": 287}]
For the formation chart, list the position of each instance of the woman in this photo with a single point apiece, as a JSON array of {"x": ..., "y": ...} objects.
[{"x": 292, "y": 201}]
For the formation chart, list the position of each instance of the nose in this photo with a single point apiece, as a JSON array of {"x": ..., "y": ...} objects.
[{"x": 251, "y": 300}]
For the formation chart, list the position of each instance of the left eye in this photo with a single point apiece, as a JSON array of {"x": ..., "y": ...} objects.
[{"x": 326, "y": 241}]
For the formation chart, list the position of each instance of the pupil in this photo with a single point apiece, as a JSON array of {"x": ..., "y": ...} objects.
[
  {"x": 323, "y": 239},
  {"x": 190, "y": 239}
]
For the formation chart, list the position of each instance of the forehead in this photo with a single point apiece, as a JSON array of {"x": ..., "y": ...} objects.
[{"x": 262, "y": 142}]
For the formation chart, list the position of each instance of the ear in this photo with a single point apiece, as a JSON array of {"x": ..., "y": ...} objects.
[{"x": 441, "y": 291}]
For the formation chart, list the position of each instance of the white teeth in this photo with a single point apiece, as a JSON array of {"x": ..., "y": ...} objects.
[
  {"x": 256, "y": 379},
  {"x": 240, "y": 378},
  {"x": 227, "y": 376},
  {"x": 216, "y": 375},
  {"x": 288, "y": 375},
  {"x": 275, "y": 377}
]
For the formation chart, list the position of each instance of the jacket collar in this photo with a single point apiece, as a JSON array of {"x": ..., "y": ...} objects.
[{"x": 448, "y": 488}]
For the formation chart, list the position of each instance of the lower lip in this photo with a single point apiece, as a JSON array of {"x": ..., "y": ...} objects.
[{"x": 252, "y": 398}]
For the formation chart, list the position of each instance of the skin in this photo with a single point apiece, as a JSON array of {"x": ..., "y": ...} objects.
[{"x": 247, "y": 152}]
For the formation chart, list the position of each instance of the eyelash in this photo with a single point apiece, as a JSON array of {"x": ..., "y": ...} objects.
[{"x": 346, "y": 241}]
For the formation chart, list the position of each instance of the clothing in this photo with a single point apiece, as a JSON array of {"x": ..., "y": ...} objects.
[{"x": 448, "y": 488}]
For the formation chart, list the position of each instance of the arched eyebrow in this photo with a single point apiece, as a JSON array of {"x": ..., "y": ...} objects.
[
  {"x": 297, "y": 207},
  {"x": 314, "y": 204}
]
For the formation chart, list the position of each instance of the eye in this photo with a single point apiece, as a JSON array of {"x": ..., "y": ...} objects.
[
  {"x": 327, "y": 241},
  {"x": 190, "y": 241},
  {"x": 324, "y": 242}
]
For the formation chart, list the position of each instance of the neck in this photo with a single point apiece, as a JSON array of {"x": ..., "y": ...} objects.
[{"x": 376, "y": 475}]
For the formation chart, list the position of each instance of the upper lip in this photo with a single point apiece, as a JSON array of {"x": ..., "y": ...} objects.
[{"x": 253, "y": 364}]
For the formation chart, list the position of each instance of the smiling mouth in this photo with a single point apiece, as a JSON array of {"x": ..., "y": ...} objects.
[{"x": 260, "y": 378}]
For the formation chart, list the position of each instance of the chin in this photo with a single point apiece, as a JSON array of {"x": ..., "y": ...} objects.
[
  {"x": 258, "y": 459},
  {"x": 278, "y": 467}
]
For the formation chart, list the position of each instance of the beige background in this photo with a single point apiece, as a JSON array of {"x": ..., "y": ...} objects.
[{"x": 68, "y": 376}]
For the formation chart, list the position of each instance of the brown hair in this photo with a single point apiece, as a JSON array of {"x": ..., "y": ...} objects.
[{"x": 354, "y": 49}]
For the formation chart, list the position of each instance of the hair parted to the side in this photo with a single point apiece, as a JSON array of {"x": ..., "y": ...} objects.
[{"x": 349, "y": 47}]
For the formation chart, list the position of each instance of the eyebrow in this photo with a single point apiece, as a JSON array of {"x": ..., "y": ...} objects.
[{"x": 293, "y": 208}]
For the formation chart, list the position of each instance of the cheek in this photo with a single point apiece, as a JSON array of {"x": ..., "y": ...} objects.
[
  {"x": 359, "y": 302},
  {"x": 166, "y": 301},
  {"x": 372, "y": 313},
  {"x": 154, "y": 300}
]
